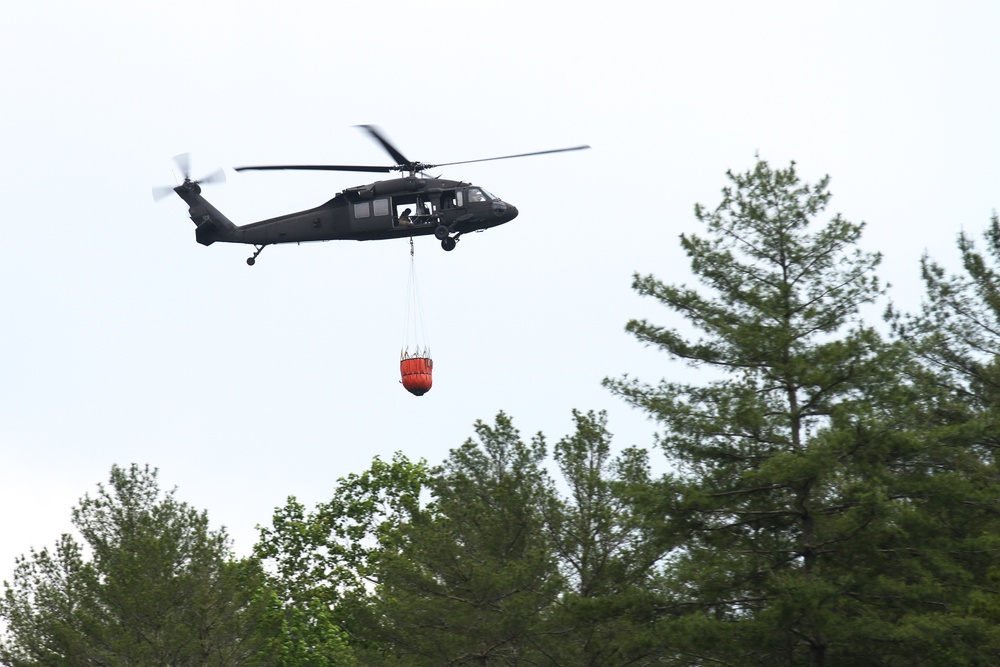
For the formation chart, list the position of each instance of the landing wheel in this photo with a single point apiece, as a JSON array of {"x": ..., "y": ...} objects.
[
  {"x": 253, "y": 260},
  {"x": 441, "y": 233},
  {"x": 448, "y": 243}
]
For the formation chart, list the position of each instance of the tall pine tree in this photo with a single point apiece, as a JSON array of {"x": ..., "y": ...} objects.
[
  {"x": 956, "y": 336},
  {"x": 796, "y": 509},
  {"x": 151, "y": 584}
]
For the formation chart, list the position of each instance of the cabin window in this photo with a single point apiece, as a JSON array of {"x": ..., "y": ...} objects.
[
  {"x": 362, "y": 210},
  {"x": 419, "y": 209},
  {"x": 448, "y": 199},
  {"x": 381, "y": 206}
]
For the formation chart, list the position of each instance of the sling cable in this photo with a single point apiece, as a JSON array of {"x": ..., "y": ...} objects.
[{"x": 415, "y": 363}]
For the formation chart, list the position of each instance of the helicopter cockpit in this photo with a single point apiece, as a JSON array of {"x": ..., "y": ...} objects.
[{"x": 481, "y": 195}]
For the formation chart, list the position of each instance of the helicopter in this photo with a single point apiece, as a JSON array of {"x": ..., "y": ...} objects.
[{"x": 415, "y": 204}]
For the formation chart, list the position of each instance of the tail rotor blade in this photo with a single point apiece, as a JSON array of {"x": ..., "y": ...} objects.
[
  {"x": 215, "y": 177},
  {"x": 183, "y": 162},
  {"x": 161, "y": 192}
]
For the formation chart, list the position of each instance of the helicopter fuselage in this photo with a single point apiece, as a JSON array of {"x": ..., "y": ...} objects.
[
  {"x": 395, "y": 208},
  {"x": 412, "y": 205}
]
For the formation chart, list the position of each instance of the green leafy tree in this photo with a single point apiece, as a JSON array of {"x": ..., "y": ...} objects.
[
  {"x": 323, "y": 564},
  {"x": 802, "y": 503},
  {"x": 305, "y": 633},
  {"x": 150, "y": 585},
  {"x": 481, "y": 560}
]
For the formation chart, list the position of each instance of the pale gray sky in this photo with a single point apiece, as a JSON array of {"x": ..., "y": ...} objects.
[{"x": 125, "y": 341}]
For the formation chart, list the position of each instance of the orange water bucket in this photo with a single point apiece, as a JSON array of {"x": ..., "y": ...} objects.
[{"x": 416, "y": 372}]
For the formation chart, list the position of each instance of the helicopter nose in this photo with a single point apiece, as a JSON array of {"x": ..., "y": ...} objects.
[{"x": 504, "y": 210}]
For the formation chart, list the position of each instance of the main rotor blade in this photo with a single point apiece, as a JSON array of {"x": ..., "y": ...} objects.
[
  {"x": 321, "y": 167},
  {"x": 507, "y": 157},
  {"x": 390, "y": 149}
]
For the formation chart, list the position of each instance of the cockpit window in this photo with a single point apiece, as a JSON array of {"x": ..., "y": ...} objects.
[{"x": 478, "y": 194}]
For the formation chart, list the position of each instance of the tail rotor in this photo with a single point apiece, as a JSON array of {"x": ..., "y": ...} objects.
[{"x": 183, "y": 162}]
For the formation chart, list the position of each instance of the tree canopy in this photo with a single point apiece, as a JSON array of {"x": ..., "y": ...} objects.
[
  {"x": 832, "y": 498},
  {"x": 481, "y": 560},
  {"x": 151, "y": 584},
  {"x": 818, "y": 518}
]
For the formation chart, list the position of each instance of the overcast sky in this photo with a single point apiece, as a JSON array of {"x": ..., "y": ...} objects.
[{"x": 123, "y": 340}]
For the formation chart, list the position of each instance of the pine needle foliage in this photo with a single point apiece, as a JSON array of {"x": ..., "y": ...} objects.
[{"x": 807, "y": 512}]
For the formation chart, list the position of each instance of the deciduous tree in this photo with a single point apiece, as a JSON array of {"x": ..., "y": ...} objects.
[{"x": 482, "y": 560}]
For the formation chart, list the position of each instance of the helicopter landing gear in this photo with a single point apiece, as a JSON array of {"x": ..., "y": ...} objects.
[
  {"x": 447, "y": 242},
  {"x": 253, "y": 260}
]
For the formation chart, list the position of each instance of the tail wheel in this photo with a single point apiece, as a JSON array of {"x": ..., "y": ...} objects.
[{"x": 258, "y": 249}]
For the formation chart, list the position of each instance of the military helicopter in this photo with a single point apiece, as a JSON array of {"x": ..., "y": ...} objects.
[{"x": 414, "y": 205}]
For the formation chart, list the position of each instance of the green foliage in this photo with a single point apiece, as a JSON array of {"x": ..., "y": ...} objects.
[
  {"x": 833, "y": 499},
  {"x": 331, "y": 552},
  {"x": 471, "y": 573},
  {"x": 325, "y": 562},
  {"x": 153, "y": 585},
  {"x": 480, "y": 561},
  {"x": 607, "y": 552},
  {"x": 957, "y": 332},
  {"x": 817, "y": 516},
  {"x": 956, "y": 335},
  {"x": 306, "y": 633}
]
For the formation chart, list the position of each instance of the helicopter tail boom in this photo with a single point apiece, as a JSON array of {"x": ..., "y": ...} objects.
[{"x": 212, "y": 225}]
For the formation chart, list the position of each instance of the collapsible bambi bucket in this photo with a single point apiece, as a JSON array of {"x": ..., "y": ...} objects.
[{"x": 416, "y": 373}]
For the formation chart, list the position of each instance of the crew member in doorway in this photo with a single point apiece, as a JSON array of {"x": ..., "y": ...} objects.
[{"x": 404, "y": 218}]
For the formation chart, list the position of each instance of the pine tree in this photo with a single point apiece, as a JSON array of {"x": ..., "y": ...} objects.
[
  {"x": 154, "y": 586},
  {"x": 607, "y": 552},
  {"x": 468, "y": 580},
  {"x": 797, "y": 505},
  {"x": 480, "y": 560},
  {"x": 956, "y": 336}
]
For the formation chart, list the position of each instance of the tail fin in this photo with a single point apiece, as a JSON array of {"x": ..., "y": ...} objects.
[{"x": 212, "y": 225}]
